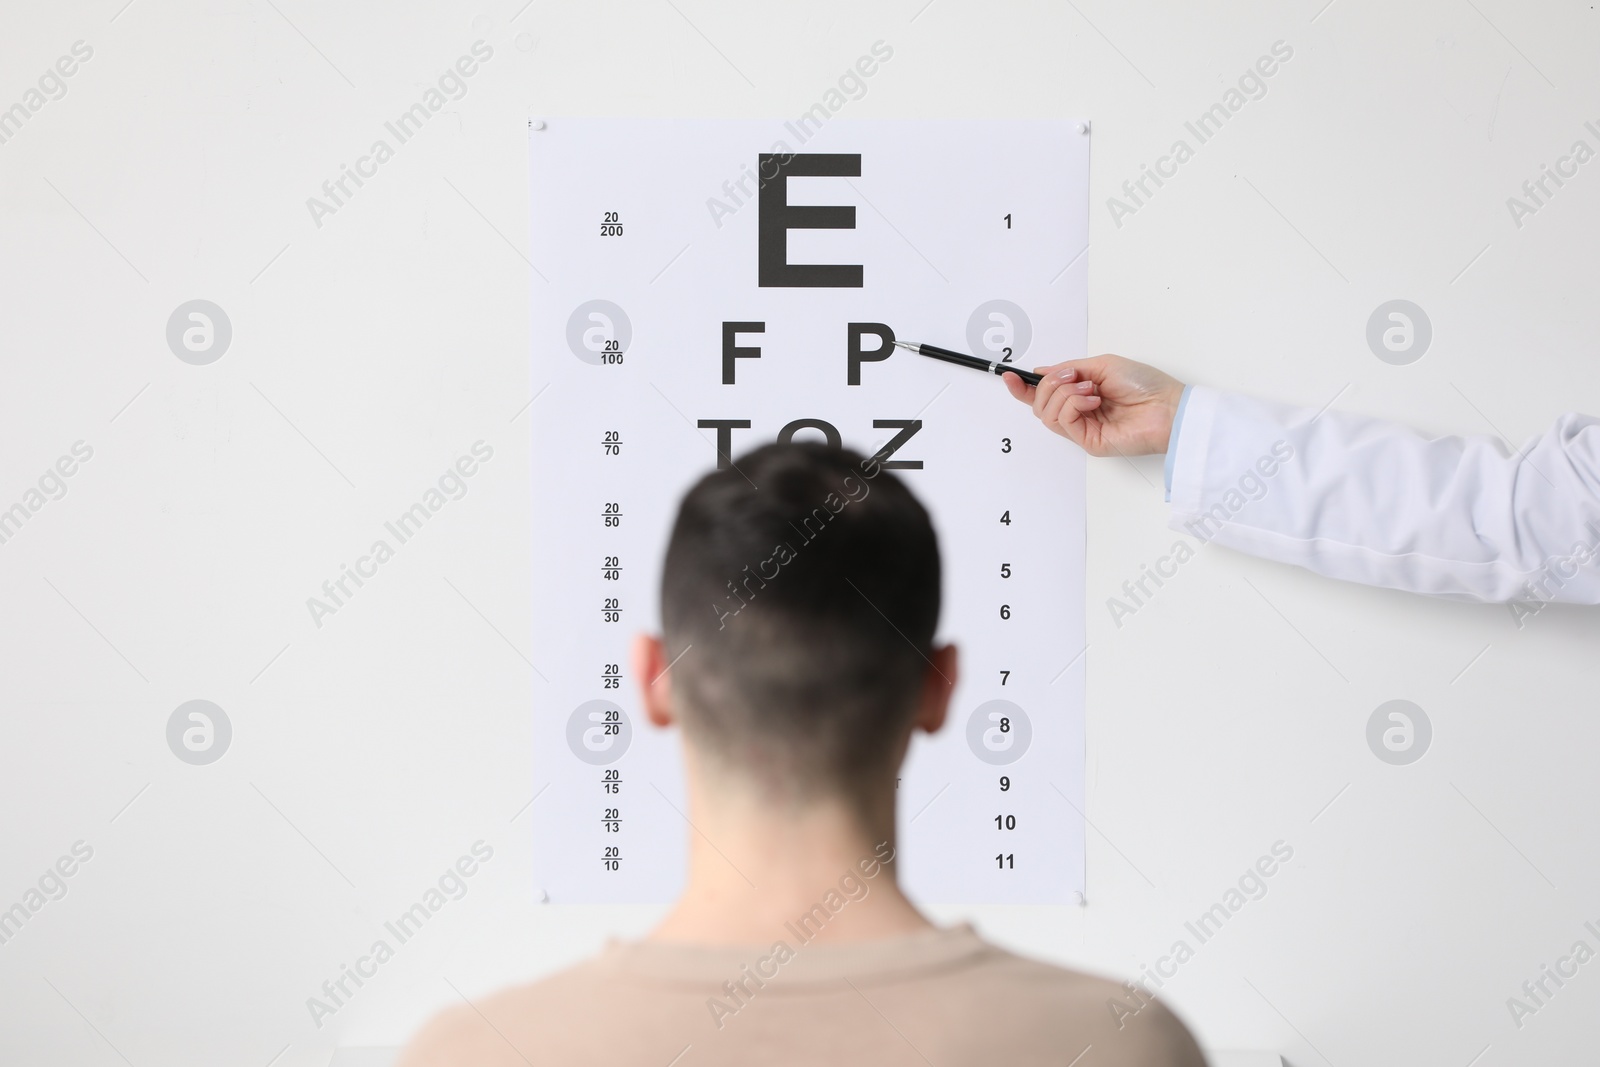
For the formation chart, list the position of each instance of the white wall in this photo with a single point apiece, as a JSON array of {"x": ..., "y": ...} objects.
[{"x": 371, "y": 752}]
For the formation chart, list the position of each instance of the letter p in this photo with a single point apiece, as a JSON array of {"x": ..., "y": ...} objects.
[{"x": 885, "y": 348}]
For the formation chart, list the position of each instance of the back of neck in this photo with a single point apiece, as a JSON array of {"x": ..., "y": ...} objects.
[{"x": 763, "y": 870}]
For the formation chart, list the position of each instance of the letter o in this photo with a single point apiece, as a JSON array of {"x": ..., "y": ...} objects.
[{"x": 829, "y": 432}]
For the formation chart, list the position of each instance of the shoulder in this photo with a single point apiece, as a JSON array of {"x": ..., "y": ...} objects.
[
  {"x": 448, "y": 1037},
  {"x": 1125, "y": 1022},
  {"x": 516, "y": 1026}
]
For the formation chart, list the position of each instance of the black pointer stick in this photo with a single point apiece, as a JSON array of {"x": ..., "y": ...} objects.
[{"x": 974, "y": 362}]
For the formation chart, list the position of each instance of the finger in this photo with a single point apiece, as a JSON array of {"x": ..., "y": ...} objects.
[
  {"x": 1047, "y": 388},
  {"x": 1051, "y": 415},
  {"x": 1079, "y": 425},
  {"x": 1098, "y": 369},
  {"x": 1059, "y": 401},
  {"x": 1081, "y": 406},
  {"x": 1017, "y": 387},
  {"x": 1060, "y": 378},
  {"x": 1070, "y": 412}
]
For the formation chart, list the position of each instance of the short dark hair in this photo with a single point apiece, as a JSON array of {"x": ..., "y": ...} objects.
[{"x": 803, "y": 581}]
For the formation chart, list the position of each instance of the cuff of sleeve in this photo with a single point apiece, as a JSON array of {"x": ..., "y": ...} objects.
[
  {"x": 1189, "y": 454},
  {"x": 1172, "y": 440}
]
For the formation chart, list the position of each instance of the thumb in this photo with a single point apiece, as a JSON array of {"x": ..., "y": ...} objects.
[{"x": 1018, "y": 388}]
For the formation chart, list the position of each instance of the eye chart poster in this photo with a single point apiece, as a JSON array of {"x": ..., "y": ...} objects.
[{"x": 703, "y": 283}]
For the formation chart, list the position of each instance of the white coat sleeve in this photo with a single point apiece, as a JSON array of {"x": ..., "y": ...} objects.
[{"x": 1370, "y": 501}]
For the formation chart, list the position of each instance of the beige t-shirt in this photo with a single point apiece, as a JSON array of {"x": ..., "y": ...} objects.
[{"x": 943, "y": 997}]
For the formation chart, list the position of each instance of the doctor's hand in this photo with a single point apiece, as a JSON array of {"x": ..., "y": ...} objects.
[{"x": 1106, "y": 405}]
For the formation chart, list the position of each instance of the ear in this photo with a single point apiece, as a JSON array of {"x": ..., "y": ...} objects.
[
  {"x": 938, "y": 684},
  {"x": 647, "y": 659}
]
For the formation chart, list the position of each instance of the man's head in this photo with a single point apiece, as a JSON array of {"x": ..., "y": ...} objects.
[{"x": 799, "y": 600}]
